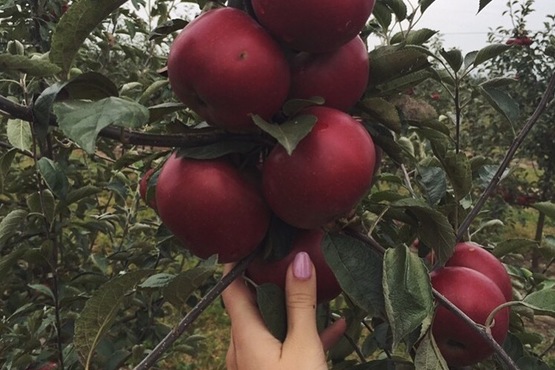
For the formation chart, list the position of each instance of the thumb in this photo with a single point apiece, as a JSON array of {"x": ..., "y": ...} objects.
[{"x": 300, "y": 297}]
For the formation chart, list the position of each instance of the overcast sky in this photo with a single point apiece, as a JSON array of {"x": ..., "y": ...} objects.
[{"x": 461, "y": 27}]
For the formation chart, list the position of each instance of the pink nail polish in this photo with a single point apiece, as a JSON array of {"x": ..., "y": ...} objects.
[{"x": 302, "y": 268}]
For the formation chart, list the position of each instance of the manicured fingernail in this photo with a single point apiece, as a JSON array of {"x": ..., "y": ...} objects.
[{"x": 302, "y": 268}]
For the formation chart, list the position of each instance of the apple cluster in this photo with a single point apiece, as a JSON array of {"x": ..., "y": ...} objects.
[
  {"x": 228, "y": 65},
  {"x": 477, "y": 283}
]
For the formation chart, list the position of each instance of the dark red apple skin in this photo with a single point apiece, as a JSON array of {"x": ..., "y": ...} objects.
[
  {"x": 474, "y": 256},
  {"x": 477, "y": 296},
  {"x": 225, "y": 66},
  {"x": 211, "y": 208},
  {"x": 313, "y": 25},
  {"x": 327, "y": 174},
  {"x": 309, "y": 241},
  {"x": 339, "y": 76}
]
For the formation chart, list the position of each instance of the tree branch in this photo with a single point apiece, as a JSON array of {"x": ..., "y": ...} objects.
[{"x": 192, "y": 138}]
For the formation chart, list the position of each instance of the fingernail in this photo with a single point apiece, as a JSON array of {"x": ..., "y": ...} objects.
[{"x": 302, "y": 268}]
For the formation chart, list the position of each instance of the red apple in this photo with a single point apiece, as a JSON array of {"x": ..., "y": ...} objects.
[
  {"x": 339, "y": 76},
  {"x": 211, "y": 207},
  {"x": 313, "y": 25},
  {"x": 327, "y": 174},
  {"x": 475, "y": 295},
  {"x": 474, "y": 256},
  {"x": 225, "y": 66},
  {"x": 261, "y": 271}
]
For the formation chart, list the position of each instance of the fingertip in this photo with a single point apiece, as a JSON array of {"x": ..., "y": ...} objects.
[{"x": 333, "y": 333}]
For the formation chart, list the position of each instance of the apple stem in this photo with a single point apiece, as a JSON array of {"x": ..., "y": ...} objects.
[
  {"x": 195, "y": 312},
  {"x": 544, "y": 104}
]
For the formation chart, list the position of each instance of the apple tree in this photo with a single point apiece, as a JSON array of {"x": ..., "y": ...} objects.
[{"x": 145, "y": 144}]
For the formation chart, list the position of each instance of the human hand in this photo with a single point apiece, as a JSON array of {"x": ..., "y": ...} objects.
[{"x": 253, "y": 347}]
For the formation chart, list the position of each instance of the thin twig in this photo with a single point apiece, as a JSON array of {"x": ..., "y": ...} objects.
[
  {"x": 540, "y": 109},
  {"x": 195, "y": 312}
]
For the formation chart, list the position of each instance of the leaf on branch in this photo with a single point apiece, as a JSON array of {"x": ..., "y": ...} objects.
[
  {"x": 483, "y": 4},
  {"x": 82, "y": 121},
  {"x": 37, "y": 67},
  {"x": 75, "y": 26},
  {"x": 428, "y": 356},
  {"x": 407, "y": 292},
  {"x": 180, "y": 288},
  {"x": 457, "y": 167},
  {"x": 520, "y": 246},
  {"x": 19, "y": 134},
  {"x": 542, "y": 301},
  {"x": 489, "y": 52},
  {"x": 434, "y": 229},
  {"x": 382, "y": 111},
  {"x": 434, "y": 182},
  {"x": 166, "y": 28},
  {"x": 502, "y": 102},
  {"x": 100, "y": 312},
  {"x": 10, "y": 224},
  {"x": 547, "y": 208},
  {"x": 54, "y": 177},
  {"x": 289, "y": 133},
  {"x": 358, "y": 269},
  {"x": 217, "y": 150}
]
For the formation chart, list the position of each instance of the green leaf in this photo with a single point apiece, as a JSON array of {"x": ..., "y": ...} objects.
[
  {"x": 414, "y": 37},
  {"x": 483, "y": 4},
  {"x": 293, "y": 106},
  {"x": 407, "y": 292},
  {"x": 42, "y": 203},
  {"x": 424, "y": 4},
  {"x": 433, "y": 181},
  {"x": 392, "y": 62},
  {"x": 180, "y": 288},
  {"x": 54, "y": 176},
  {"x": 37, "y": 67},
  {"x": 489, "y": 52},
  {"x": 43, "y": 289},
  {"x": 100, "y": 311},
  {"x": 19, "y": 134},
  {"x": 217, "y": 150},
  {"x": 358, "y": 269},
  {"x": 398, "y": 7},
  {"x": 439, "y": 141},
  {"x": 167, "y": 28},
  {"x": 428, "y": 356},
  {"x": 152, "y": 89},
  {"x": 90, "y": 85},
  {"x": 382, "y": 14},
  {"x": 547, "y": 208},
  {"x": 82, "y": 121},
  {"x": 157, "y": 281},
  {"x": 83, "y": 192},
  {"x": 434, "y": 229},
  {"x": 382, "y": 111},
  {"x": 453, "y": 57},
  {"x": 271, "y": 303},
  {"x": 156, "y": 112},
  {"x": 542, "y": 301},
  {"x": 457, "y": 167},
  {"x": 11, "y": 224},
  {"x": 502, "y": 102},
  {"x": 289, "y": 133},
  {"x": 514, "y": 246},
  {"x": 75, "y": 26}
]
